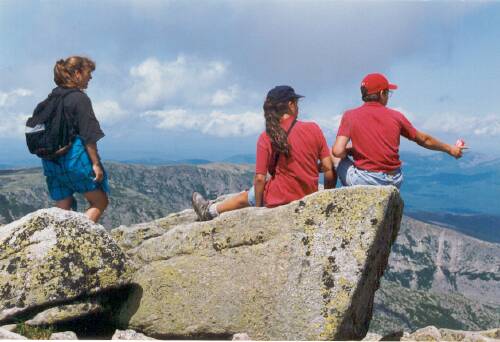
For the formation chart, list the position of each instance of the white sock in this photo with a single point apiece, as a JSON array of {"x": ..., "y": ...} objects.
[{"x": 212, "y": 209}]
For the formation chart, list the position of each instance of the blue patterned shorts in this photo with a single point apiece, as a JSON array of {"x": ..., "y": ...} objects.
[{"x": 72, "y": 173}]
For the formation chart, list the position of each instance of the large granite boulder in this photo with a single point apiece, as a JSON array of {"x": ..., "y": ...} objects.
[
  {"x": 306, "y": 270},
  {"x": 52, "y": 256}
]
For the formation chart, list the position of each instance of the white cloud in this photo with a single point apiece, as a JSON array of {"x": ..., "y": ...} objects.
[
  {"x": 488, "y": 125},
  {"x": 10, "y": 98},
  {"x": 109, "y": 111},
  {"x": 328, "y": 125},
  {"x": 176, "y": 118},
  {"x": 224, "y": 125},
  {"x": 224, "y": 97},
  {"x": 155, "y": 82},
  {"x": 13, "y": 120},
  {"x": 216, "y": 123},
  {"x": 12, "y": 125}
]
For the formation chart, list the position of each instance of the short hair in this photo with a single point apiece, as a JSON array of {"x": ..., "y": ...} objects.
[{"x": 371, "y": 97}]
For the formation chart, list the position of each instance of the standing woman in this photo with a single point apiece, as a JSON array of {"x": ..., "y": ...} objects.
[
  {"x": 80, "y": 169},
  {"x": 289, "y": 150}
]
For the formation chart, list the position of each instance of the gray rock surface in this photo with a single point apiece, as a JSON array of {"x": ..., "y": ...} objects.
[
  {"x": 9, "y": 327},
  {"x": 431, "y": 333},
  {"x": 7, "y": 335},
  {"x": 65, "y": 335},
  {"x": 129, "y": 334},
  {"x": 128, "y": 238},
  {"x": 241, "y": 337},
  {"x": 53, "y": 255},
  {"x": 64, "y": 313},
  {"x": 372, "y": 337},
  {"x": 307, "y": 270}
]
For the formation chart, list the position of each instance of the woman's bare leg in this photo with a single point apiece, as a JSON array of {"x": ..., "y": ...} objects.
[
  {"x": 236, "y": 202},
  {"x": 98, "y": 201},
  {"x": 65, "y": 203}
]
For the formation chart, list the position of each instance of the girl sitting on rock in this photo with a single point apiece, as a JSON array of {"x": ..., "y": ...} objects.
[{"x": 289, "y": 151}]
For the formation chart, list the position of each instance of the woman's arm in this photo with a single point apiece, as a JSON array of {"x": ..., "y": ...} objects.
[
  {"x": 96, "y": 161},
  {"x": 259, "y": 183},
  {"x": 330, "y": 176}
]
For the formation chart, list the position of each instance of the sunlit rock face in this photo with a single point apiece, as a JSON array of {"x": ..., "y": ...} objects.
[{"x": 304, "y": 271}]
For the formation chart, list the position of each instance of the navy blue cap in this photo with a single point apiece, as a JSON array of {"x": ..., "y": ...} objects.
[{"x": 282, "y": 93}]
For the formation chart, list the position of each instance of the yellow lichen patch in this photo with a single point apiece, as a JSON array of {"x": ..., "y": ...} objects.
[
  {"x": 360, "y": 256},
  {"x": 337, "y": 307}
]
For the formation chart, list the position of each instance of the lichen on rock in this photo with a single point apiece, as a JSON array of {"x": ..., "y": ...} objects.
[{"x": 52, "y": 256}]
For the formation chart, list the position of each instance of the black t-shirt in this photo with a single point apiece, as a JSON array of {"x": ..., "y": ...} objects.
[{"x": 78, "y": 105}]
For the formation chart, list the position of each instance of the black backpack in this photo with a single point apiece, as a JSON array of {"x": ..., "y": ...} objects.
[{"x": 50, "y": 131}]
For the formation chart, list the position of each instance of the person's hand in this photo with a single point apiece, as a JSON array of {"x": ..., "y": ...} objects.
[
  {"x": 456, "y": 151},
  {"x": 349, "y": 149},
  {"x": 99, "y": 174}
]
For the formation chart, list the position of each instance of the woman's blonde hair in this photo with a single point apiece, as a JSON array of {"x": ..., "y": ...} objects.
[{"x": 65, "y": 71}]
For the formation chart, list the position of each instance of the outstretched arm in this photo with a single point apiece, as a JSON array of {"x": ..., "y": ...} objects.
[
  {"x": 431, "y": 143},
  {"x": 340, "y": 149}
]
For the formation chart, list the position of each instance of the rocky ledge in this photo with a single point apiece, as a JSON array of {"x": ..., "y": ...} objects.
[{"x": 306, "y": 270}]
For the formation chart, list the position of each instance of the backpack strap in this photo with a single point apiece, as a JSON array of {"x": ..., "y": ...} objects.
[
  {"x": 64, "y": 118},
  {"x": 272, "y": 167}
]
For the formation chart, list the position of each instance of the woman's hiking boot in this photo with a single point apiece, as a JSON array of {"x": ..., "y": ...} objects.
[{"x": 201, "y": 206}]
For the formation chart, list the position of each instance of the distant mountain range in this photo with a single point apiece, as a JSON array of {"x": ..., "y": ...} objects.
[{"x": 460, "y": 194}]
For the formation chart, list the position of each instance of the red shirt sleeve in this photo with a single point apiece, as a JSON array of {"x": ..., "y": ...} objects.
[
  {"x": 263, "y": 154},
  {"x": 345, "y": 126},
  {"x": 407, "y": 129}
]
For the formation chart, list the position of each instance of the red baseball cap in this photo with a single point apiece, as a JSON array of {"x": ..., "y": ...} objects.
[{"x": 376, "y": 82}]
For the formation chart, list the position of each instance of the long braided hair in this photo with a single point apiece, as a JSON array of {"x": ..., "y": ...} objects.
[{"x": 273, "y": 111}]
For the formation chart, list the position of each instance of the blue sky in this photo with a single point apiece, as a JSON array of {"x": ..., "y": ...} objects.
[{"x": 186, "y": 79}]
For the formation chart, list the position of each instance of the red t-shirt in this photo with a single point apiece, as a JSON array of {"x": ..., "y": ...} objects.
[
  {"x": 298, "y": 175},
  {"x": 374, "y": 131}
]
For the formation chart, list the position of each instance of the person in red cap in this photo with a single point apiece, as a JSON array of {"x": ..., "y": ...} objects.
[
  {"x": 288, "y": 150},
  {"x": 371, "y": 135}
]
